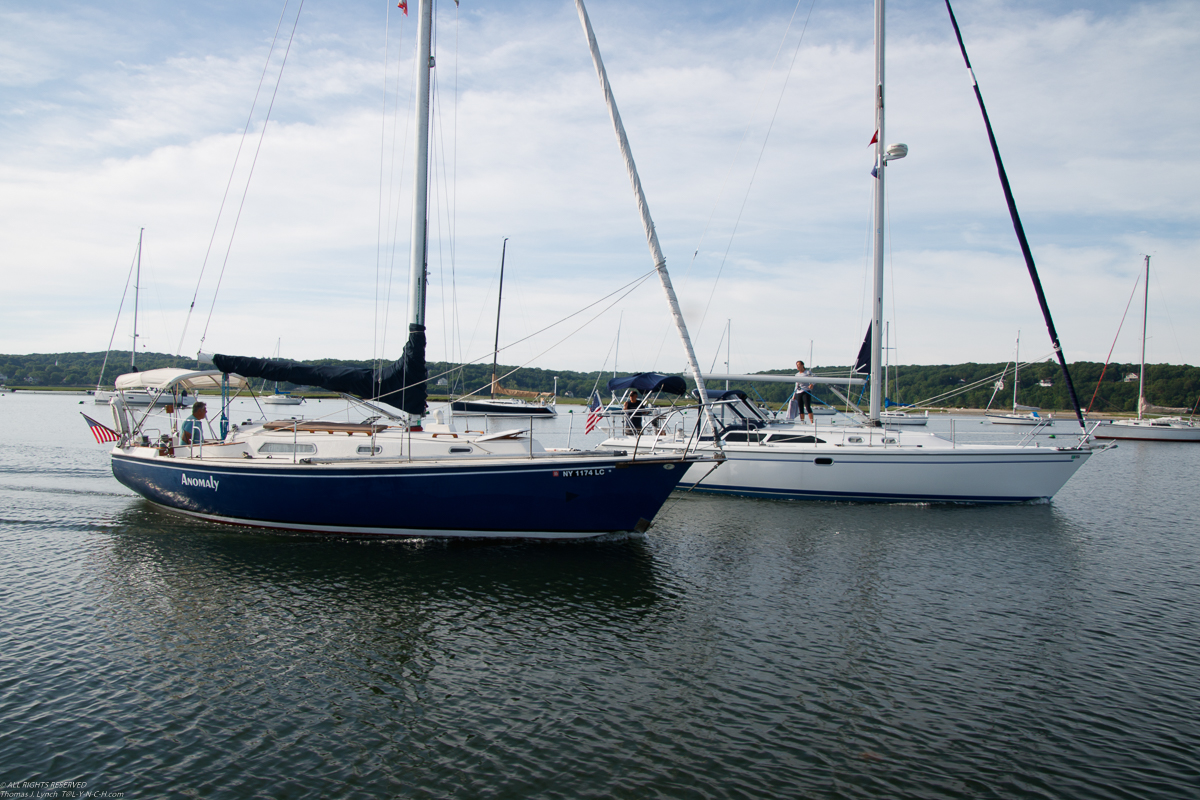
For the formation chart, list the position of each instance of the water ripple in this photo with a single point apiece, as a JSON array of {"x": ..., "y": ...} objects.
[{"x": 740, "y": 649}]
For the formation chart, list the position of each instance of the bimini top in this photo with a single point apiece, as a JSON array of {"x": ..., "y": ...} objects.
[
  {"x": 164, "y": 380},
  {"x": 649, "y": 382}
]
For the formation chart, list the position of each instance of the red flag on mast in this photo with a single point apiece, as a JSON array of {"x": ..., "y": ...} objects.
[
  {"x": 874, "y": 138},
  {"x": 403, "y": 6}
]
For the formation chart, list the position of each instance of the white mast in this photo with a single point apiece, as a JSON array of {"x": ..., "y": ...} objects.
[
  {"x": 877, "y": 294},
  {"x": 883, "y": 154},
  {"x": 660, "y": 262},
  {"x": 137, "y": 287},
  {"x": 416, "y": 295},
  {"x": 1145, "y": 311},
  {"x": 1016, "y": 370}
]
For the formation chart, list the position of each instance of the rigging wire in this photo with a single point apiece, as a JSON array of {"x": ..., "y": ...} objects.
[
  {"x": 383, "y": 220},
  {"x": 1114, "y": 344},
  {"x": 887, "y": 199},
  {"x": 1167, "y": 310},
  {"x": 250, "y": 175},
  {"x": 633, "y": 287},
  {"x": 732, "y": 165},
  {"x": 456, "y": 342},
  {"x": 391, "y": 221},
  {"x": 117, "y": 321},
  {"x": 758, "y": 162},
  {"x": 718, "y": 351},
  {"x": 232, "y": 171},
  {"x": 620, "y": 294}
]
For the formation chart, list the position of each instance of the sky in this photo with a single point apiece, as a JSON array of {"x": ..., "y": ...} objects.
[{"x": 749, "y": 123}]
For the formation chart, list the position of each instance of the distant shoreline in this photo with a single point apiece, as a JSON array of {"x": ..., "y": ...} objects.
[{"x": 1054, "y": 415}]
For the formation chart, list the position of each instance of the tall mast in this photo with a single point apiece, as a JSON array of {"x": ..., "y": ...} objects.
[
  {"x": 416, "y": 296},
  {"x": 728, "y": 347},
  {"x": 137, "y": 285},
  {"x": 1016, "y": 370},
  {"x": 656, "y": 254},
  {"x": 499, "y": 298},
  {"x": 1145, "y": 309},
  {"x": 880, "y": 163}
]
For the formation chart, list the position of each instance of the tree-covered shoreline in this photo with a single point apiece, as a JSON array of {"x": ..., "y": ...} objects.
[{"x": 1041, "y": 383}]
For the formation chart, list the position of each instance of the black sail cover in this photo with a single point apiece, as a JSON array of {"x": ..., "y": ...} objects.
[
  {"x": 862, "y": 364},
  {"x": 400, "y": 384}
]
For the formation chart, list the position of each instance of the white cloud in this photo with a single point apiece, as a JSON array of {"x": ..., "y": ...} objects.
[{"x": 1092, "y": 110}]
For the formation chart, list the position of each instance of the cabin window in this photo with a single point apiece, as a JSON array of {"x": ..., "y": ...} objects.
[
  {"x": 742, "y": 436},
  {"x": 854, "y": 439},
  {"x": 822, "y": 462},
  {"x": 794, "y": 438},
  {"x": 460, "y": 450},
  {"x": 286, "y": 448},
  {"x": 367, "y": 450},
  {"x": 889, "y": 440}
]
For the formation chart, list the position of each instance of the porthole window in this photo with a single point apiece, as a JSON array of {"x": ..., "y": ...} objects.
[
  {"x": 454, "y": 450},
  {"x": 367, "y": 450},
  {"x": 855, "y": 440}
]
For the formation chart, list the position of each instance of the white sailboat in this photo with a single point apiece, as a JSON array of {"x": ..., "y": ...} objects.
[
  {"x": 894, "y": 414},
  {"x": 136, "y": 397},
  {"x": 1157, "y": 429},
  {"x": 871, "y": 461},
  {"x": 1021, "y": 415},
  {"x": 278, "y": 398}
]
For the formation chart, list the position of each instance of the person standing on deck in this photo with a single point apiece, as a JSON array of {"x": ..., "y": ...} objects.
[{"x": 802, "y": 397}]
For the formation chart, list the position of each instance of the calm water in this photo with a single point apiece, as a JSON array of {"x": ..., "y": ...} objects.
[{"x": 739, "y": 649}]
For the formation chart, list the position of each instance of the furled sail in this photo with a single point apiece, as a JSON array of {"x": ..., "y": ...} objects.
[
  {"x": 400, "y": 384},
  {"x": 862, "y": 364}
]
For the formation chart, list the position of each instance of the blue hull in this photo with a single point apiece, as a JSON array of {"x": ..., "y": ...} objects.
[{"x": 554, "y": 500}]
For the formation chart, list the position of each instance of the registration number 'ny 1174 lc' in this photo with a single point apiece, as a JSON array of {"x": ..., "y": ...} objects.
[{"x": 582, "y": 472}]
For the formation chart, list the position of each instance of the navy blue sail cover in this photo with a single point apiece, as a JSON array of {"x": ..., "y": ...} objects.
[
  {"x": 400, "y": 384},
  {"x": 862, "y": 364},
  {"x": 649, "y": 382}
]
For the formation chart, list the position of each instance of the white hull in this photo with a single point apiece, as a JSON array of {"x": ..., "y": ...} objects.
[
  {"x": 137, "y": 398},
  {"x": 1149, "y": 430},
  {"x": 892, "y": 418},
  {"x": 1017, "y": 419},
  {"x": 865, "y": 464},
  {"x": 283, "y": 400}
]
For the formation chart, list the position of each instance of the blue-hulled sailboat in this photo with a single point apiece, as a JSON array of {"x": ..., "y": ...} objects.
[{"x": 389, "y": 475}]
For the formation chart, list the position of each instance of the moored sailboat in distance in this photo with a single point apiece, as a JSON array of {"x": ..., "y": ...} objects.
[
  {"x": 134, "y": 397},
  {"x": 1156, "y": 429},
  {"x": 514, "y": 402},
  {"x": 871, "y": 461},
  {"x": 278, "y": 398},
  {"x": 893, "y": 414},
  {"x": 390, "y": 474},
  {"x": 1021, "y": 415}
]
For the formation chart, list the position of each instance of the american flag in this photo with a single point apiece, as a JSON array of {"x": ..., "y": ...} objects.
[
  {"x": 594, "y": 409},
  {"x": 103, "y": 433}
]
